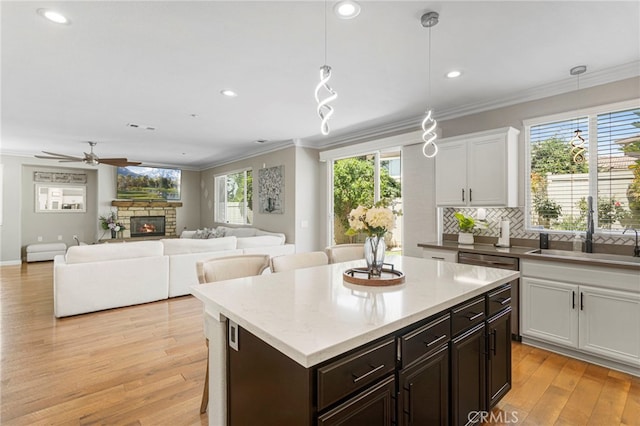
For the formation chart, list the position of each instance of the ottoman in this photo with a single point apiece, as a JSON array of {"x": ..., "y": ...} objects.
[{"x": 44, "y": 251}]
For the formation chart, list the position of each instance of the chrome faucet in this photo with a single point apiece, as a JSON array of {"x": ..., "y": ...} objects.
[
  {"x": 636, "y": 249},
  {"x": 588, "y": 244}
]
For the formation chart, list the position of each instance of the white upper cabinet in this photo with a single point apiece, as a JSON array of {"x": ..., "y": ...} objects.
[{"x": 478, "y": 169}]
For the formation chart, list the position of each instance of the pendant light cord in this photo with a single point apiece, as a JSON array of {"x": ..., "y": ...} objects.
[
  {"x": 429, "y": 70},
  {"x": 325, "y": 32}
]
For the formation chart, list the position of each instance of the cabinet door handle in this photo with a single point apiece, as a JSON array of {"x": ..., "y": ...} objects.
[
  {"x": 356, "y": 379},
  {"x": 504, "y": 300},
  {"x": 463, "y": 194},
  {"x": 410, "y": 404},
  {"x": 433, "y": 342},
  {"x": 573, "y": 300},
  {"x": 437, "y": 258},
  {"x": 494, "y": 333},
  {"x": 581, "y": 301},
  {"x": 470, "y": 195},
  {"x": 473, "y": 316}
]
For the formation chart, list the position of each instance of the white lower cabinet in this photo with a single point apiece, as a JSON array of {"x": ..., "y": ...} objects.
[
  {"x": 610, "y": 323},
  {"x": 599, "y": 318},
  {"x": 549, "y": 311}
]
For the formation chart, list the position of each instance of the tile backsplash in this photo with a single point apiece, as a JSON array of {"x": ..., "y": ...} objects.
[{"x": 517, "y": 226}]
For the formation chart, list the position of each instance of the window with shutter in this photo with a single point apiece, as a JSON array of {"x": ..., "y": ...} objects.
[{"x": 604, "y": 163}]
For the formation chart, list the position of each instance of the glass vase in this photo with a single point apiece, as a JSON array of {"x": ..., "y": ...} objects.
[
  {"x": 374, "y": 248},
  {"x": 113, "y": 234}
]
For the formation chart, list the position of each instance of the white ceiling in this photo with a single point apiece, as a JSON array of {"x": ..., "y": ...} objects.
[{"x": 156, "y": 63}]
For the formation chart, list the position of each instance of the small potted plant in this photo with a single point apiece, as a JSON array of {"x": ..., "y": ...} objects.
[{"x": 466, "y": 225}]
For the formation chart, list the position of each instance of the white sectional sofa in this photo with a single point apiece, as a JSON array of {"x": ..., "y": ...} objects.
[
  {"x": 102, "y": 276},
  {"x": 183, "y": 253},
  {"x": 95, "y": 277}
]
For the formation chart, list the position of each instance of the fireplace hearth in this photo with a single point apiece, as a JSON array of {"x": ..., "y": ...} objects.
[{"x": 147, "y": 226}]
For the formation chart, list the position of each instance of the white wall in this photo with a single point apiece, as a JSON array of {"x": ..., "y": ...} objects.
[
  {"x": 308, "y": 199},
  {"x": 418, "y": 200},
  {"x": 51, "y": 225}
]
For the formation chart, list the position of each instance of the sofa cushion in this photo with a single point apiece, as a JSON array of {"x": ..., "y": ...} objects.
[
  {"x": 113, "y": 251},
  {"x": 203, "y": 234},
  {"x": 260, "y": 232},
  {"x": 190, "y": 245},
  {"x": 239, "y": 232},
  {"x": 187, "y": 234},
  {"x": 262, "y": 241}
]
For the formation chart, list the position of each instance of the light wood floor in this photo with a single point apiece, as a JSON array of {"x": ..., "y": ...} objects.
[{"x": 144, "y": 365}]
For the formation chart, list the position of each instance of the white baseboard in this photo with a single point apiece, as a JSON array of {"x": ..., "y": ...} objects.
[
  {"x": 10, "y": 262},
  {"x": 614, "y": 365}
]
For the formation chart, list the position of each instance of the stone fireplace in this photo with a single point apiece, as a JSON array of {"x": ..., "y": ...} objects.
[{"x": 134, "y": 214}]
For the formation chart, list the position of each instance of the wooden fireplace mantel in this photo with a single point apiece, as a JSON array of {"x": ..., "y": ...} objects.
[{"x": 151, "y": 203}]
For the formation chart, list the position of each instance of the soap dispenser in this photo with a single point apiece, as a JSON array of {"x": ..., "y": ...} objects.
[{"x": 577, "y": 242}]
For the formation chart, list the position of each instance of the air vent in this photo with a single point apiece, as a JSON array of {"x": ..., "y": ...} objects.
[{"x": 140, "y": 126}]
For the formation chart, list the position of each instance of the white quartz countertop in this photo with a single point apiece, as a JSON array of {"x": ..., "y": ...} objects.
[{"x": 312, "y": 315}]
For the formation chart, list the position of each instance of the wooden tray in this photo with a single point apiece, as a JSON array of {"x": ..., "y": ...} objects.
[{"x": 360, "y": 276}]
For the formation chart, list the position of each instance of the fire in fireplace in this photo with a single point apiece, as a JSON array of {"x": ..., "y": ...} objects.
[{"x": 147, "y": 226}]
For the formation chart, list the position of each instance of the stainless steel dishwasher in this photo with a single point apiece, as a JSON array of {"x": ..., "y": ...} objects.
[{"x": 500, "y": 262}]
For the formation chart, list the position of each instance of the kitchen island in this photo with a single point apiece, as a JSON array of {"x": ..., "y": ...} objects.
[{"x": 296, "y": 331}]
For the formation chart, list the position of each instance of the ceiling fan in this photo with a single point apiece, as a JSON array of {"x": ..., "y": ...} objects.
[{"x": 89, "y": 158}]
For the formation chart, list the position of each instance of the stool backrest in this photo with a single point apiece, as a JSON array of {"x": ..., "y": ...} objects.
[
  {"x": 299, "y": 260},
  {"x": 345, "y": 252},
  {"x": 230, "y": 267}
]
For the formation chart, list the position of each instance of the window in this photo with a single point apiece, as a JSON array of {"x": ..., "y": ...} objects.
[
  {"x": 363, "y": 180},
  {"x": 233, "y": 198},
  {"x": 559, "y": 182}
]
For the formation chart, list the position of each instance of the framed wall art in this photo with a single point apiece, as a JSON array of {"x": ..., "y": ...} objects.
[{"x": 271, "y": 190}]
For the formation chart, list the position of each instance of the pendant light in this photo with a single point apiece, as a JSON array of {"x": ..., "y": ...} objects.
[
  {"x": 324, "y": 110},
  {"x": 429, "y": 135},
  {"x": 577, "y": 141}
]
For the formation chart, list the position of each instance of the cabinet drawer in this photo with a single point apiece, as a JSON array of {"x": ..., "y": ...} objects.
[
  {"x": 375, "y": 406},
  {"x": 353, "y": 372},
  {"x": 468, "y": 315},
  {"x": 498, "y": 299},
  {"x": 425, "y": 339},
  {"x": 436, "y": 254}
]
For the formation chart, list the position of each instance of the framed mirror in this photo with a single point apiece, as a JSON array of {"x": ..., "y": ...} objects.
[{"x": 60, "y": 198}]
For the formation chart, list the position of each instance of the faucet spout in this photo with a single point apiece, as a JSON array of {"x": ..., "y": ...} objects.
[
  {"x": 636, "y": 249},
  {"x": 588, "y": 244}
]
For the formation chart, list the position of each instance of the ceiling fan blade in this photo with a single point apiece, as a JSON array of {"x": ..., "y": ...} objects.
[
  {"x": 66, "y": 158},
  {"x": 120, "y": 162},
  {"x": 59, "y": 156}
]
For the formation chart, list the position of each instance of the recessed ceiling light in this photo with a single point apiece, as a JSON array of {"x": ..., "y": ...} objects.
[
  {"x": 454, "y": 74},
  {"x": 53, "y": 16},
  {"x": 228, "y": 92},
  {"x": 347, "y": 9}
]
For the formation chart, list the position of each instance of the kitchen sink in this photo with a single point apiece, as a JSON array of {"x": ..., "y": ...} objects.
[{"x": 617, "y": 258}]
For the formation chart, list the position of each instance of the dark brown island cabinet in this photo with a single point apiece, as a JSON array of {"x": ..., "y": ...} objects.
[{"x": 448, "y": 369}]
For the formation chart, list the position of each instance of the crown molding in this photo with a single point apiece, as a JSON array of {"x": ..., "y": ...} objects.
[
  {"x": 272, "y": 148},
  {"x": 596, "y": 78}
]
